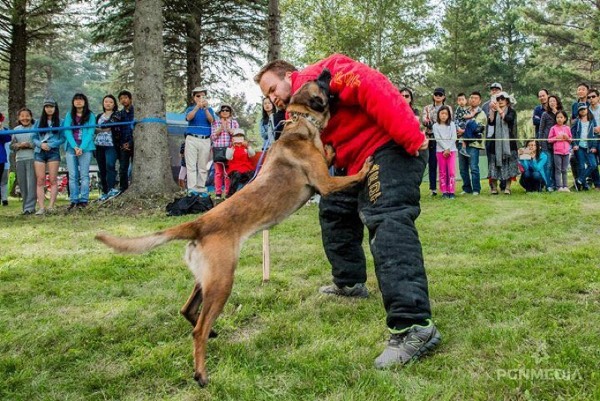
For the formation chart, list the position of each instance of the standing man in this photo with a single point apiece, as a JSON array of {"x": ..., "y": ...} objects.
[
  {"x": 473, "y": 139},
  {"x": 197, "y": 141},
  {"x": 539, "y": 110},
  {"x": 582, "y": 93},
  {"x": 371, "y": 118},
  {"x": 495, "y": 89},
  {"x": 125, "y": 148}
]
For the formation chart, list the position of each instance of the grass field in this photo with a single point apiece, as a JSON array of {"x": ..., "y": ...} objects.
[{"x": 514, "y": 284}]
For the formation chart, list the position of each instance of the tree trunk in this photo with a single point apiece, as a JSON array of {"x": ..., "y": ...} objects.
[
  {"x": 18, "y": 61},
  {"x": 193, "y": 53},
  {"x": 273, "y": 27},
  {"x": 151, "y": 163}
]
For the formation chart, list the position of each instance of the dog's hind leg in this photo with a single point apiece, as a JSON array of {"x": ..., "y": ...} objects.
[
  {"x": 191, "y": 307},
  {"x": 217, "y": 280}
]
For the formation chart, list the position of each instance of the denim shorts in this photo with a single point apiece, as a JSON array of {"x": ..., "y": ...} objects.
[{"x": 45, "y": 156}]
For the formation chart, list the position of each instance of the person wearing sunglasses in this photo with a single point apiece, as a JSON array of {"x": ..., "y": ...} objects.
[
  {"x": 594, "y": 102},
  {"x": 221, "y": 132},
  {"x": 197, "y": 141},
  {"x": 407, "y": 94},
  {"x": 503, "y": 158},
  {"x": 430, "y": 115}
]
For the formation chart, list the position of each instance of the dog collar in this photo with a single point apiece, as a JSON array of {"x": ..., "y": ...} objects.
[{"x": 295, "y": 115}]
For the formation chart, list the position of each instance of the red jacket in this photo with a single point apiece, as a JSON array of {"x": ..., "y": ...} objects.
[
  {"x": 370, "y": 111},
  {"x": 241, "y": 161}
]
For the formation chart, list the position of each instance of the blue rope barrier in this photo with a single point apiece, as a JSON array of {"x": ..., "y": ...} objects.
[{"x": 148, "y": 120}]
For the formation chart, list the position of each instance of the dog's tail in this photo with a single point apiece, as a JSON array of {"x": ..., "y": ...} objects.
[{"x": 183, "y": 231}]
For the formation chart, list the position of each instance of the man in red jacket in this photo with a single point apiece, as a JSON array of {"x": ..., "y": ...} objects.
[{"x": 371, "y": 118}]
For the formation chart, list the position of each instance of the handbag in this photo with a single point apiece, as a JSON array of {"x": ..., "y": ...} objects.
[{"x": 219, "y": 154}]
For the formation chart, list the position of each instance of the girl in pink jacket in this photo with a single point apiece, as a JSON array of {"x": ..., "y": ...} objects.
[{"x": 560, "y": 136}]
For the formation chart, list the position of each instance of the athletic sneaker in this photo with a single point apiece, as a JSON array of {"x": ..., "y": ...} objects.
[
  {"x": 409, "y": 345},
  {"x": 464, "y": 152},
  {"x": 40, "y": 212},
  {"x": 358, "y": 290},
  {"x": 112, "y": 193}
]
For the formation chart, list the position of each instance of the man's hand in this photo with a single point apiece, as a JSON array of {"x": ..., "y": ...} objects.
[{"x": 423, "y": 146}]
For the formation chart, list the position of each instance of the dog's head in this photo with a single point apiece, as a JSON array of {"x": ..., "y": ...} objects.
[{"x": 312, "y": 100}]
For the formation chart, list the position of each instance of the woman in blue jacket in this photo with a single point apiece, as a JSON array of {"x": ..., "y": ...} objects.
[
  {"x": 585, "y": 146},
  {"x": 46, "y": 153},
  {"x": 79, "y": 147},
  {"x": 533, "y": 162}
]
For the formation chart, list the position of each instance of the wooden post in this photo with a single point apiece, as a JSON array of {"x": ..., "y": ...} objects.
[{"x": 266, "y": 257}]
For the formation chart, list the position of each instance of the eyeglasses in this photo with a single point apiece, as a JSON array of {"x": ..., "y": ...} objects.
[
  {"x": 438, "y": 94},
  {"x": 227, "y": 110},
  {"x": 500, "y": 98},
  {"x": 592, "y": 96},
  {"x": 406, "y": 96},
  {"x": 199, "y": 95}
]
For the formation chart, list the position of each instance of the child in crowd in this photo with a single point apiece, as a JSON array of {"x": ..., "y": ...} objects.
[
  {"x": 240, "y": 167},
  {"x": 461, "y": 115},
  {"x": 585, "y": 147},
  {"x": 532, "y": 161},
  {"x": 560, "y": 137},
  {"x": 183, "y": 169},
  {"x": 47, "y": 154},
  {"x": 22, "y": 145},
  {"x": 444, "y": 131},
  {"x": 4, "y": 139}
]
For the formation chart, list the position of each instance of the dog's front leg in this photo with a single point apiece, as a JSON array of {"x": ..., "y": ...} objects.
[{"x": 319, "y": 177}]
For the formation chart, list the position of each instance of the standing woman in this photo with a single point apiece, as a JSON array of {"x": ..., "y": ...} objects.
[
  {"x": 221, "y": 131},
  {"x": 79, "y": 147},
  {"x": 271, "y": 123},
  {"x": 547, "y": 121},
  {"x": 47, "y": 154},
  {"x": 408, "y": 96},
  {"x": 22, "y": 145},
  {"x": 503, "y": 161},
  {"x": 106, "y": 152}
]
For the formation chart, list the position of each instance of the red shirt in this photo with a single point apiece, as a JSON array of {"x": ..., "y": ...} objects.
[
  {"x": 370, "y": 111},
  {"x": 241, "y": 161}
]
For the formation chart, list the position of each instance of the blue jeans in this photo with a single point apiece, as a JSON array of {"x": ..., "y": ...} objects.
[
  {"x": 549, "y": 169},
  {"x": 586, "y": 158},
  {"x": 79, "y": 176},
  {"x": 531, "y": 180},
  {"x": 107, "y": 162},
  {"x": 472, "y": 180}
]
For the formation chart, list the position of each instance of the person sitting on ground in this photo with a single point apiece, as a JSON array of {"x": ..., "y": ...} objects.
[
  {"x": 533, "y": 161},
  {"x": 585, "y": 147},
  {"x": 47, "y": 154},
  {"x": 240, "y": 167}
]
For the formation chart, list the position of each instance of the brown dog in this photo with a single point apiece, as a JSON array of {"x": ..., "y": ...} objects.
[{"x": 296, "y": 167}]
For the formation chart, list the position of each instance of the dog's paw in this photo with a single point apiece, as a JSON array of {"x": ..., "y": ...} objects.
[{"x": 329, "y": 154}]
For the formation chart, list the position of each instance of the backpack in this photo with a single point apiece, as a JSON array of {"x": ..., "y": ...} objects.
[{"x": 191, "y": 204}]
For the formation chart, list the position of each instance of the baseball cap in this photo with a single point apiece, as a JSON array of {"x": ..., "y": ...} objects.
[
  {"x": 581, "y": 106},
  {"x": 49, "y": 101},
  {"x": 199, "y": 89},
  {"x": 225, "y": 105},
  {"x": 496, "y": 85},
  {"x": 439, "y": 90},
  {"x": 238, "y": 132}
]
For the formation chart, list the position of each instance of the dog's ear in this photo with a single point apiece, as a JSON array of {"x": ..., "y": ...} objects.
[{"x": 323, "y": 81}]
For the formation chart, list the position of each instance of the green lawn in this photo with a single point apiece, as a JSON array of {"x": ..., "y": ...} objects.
[{"x": 514, "y": 284}]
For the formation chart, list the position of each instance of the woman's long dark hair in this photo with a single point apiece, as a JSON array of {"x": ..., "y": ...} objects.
[
  {"x": 85, "y": 117},
  {"x": 538, "y": 148},
  {"x": 55, "y": 118},
  {"x": 116, "y": 106},
  {"x": 265, "y": 115},
  {"x": 559, "y": 105}
]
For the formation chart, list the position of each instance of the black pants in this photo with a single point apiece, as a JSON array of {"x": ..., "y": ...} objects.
[
  {"x": 2, "y": 172},
  {"x": 236, "y": 179},
  {"x": 387, "y": 203},
  {"x": 125, "y": 159},
  {"x": 432, "y": 162}
]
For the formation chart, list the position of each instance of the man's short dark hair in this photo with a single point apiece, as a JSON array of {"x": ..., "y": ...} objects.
[
  {"x": 585, "y": 85},
  {"x": 546, "y": 90},
  {"x": 279, "y": 67},
  {"x": 476, "y": 93},
  {"x": 594, "y": 90},
  {"x": 461, "y": 94},
  {"x": 125, "y": 93}
]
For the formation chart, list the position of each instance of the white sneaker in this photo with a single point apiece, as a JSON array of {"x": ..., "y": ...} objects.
[
  {"x": 475, "y": 193},
  {"x": 40, "y": 212}
]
